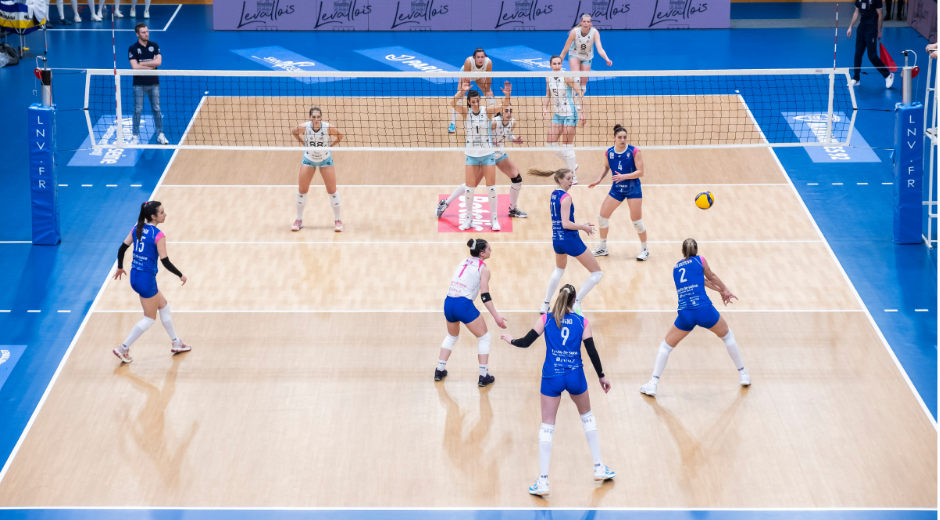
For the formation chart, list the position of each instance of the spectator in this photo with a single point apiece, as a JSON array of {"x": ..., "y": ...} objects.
[
  {"x": 869, "y": 32},
  {"x": 932, "y": 49},
  {"x": 145, "y": 55}
]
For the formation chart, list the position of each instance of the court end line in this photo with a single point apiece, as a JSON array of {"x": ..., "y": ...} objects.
[{"x": 434, "y": 311}]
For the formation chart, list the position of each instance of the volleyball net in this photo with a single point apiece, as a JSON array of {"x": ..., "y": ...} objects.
[{"x": 410, "y": 110}]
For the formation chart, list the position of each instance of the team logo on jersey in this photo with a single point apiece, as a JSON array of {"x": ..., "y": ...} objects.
[
  {"x": 611, "y": 155},
  {"x": 139, "y": 51},
  {"x": 146, "y": 231},
  {"x": 628, "y": 155},
  {"x": 150, "y": 48}
]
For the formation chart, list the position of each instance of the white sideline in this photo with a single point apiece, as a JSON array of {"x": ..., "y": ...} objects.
[
  {"x": 858, "y": 297},
  {"x": 78, "y": 333},
  {"x": 438, "y": 311},
  {"x": 450, "y": 186},
  {"x": 464, "y": 244}
]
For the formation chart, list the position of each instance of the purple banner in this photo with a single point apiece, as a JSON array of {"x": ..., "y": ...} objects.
[
  {"x": 922, "y": 16},
  {"x": 466, "y": 15}
]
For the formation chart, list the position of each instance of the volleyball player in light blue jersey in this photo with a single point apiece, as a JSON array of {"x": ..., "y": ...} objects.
[
  {"x": 567, "y": 104},
  {"x": 580, "y": 44},
  {"x": 563, "y": 371},
  {"x": 565, "y": 238},
  {"x": 149, "y": 244},
  {"x": 624, "y": 161},
  {"x": 691, "y": 276}
]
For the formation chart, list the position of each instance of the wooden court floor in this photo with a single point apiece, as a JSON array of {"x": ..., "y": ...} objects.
[{"x": 310, "y": 380}]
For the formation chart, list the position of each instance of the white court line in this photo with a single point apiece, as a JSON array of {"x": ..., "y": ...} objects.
[
  {"x": 5, "y": 310},
  {"x": 34, "y": 311},
  {"x": 812, "y": 184},
  {"x": 135, "y": 185},
  {"x": 167, "y": 26},
  {"x": 450, "y": 186},
  {"x": 64, "y": 185},
  {"x": 464, "y": 244},
  {"x": 891, "y": 310},
  {"x": 438, "y": 311},
  {"x": 921, "y": 310},
  {"x": 15, "y": 242},
  {"x": 64, "y": 311},
  {"x": 887, "y": 184},
  {"x": 78, "y": 333},
  {"x": 110, "y": 185},
  {"x": 858, "y": 297},
  {"x": 862, "y": 183},
  {"x": 358, "y": 508},
  {"x": 837, "y": 184}
]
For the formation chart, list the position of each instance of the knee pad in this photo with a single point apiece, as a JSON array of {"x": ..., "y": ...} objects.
[
  {"x": 569, "y": 153},
  {"x": 546, "y": 432},
  {"x": 517, "y": 179},
  {"x": 603, "y": 222},
  {"x": 557, "y": 273},
  {"x": 449, "y": 342},
  {"x": 145, "y": 323},
  {"x": 596, "y": 277},
  {"x": 587, "y": 420},
  {"x": 638, "y": 226},
  {"x": 484, "y": 344},
  {"x": 729, "y": 338},
  {"x": 334, "y": 199}
]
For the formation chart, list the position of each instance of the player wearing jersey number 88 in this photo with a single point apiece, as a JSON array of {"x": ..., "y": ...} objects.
[
  {"x": 691, "y": 276},
  {"x": 565, "y": 239},
  {"x": 317, "y": 137},
  {"x": 479, "y": 148},
  {"x": 471, "y": 277},
  {"x": 581, "y": 41},
  {"x": 567, "y": 101},
  {"x": 563, "y": 371},
  {"x": 624, "y": 162}
]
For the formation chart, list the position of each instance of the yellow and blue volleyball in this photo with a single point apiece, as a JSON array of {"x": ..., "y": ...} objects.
[{"x": 704, "y": 200}]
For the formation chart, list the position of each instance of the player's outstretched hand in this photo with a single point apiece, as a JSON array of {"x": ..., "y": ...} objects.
[
  {"x": 595, "y": 183},
  {"x": 588, "y": 228},
  {"x": 507, "y": 89},
  {"x": 610, "y": 63},
  {"x": 183, "y": 279},
  {"x": 584, "y": 118},
  {"x": 118, "y": 273},
  {"x": 507, "y": 338},
  {"x": 605, "y": 384},
  {"x": 501, "y": 322},
  {"x": 726, "y": 297},
  {"x": 517, "y": 140}
]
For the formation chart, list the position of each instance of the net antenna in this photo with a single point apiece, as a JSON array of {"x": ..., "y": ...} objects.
[
  {"x": 118, "y": 119},
  {"x": 411, "y": 111}
]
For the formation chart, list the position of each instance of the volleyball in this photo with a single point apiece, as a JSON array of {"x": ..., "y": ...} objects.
[{"x": 704, "y": 200}]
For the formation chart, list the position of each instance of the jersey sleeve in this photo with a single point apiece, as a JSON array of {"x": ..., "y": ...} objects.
[
  {"x": 156, "y": 48},
  {"x": 159, "y": 236},
  {"x": 130, "y": 53}
]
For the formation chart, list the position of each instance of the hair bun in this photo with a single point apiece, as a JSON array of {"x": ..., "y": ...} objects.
[{"x": 471, "y": 243}]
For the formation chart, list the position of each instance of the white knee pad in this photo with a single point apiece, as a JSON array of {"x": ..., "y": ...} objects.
[
  {"x": 638, "y": 226},
  {"x": 596, "y": 277},
  {"x": 484, "y": 344},
  {"x": 587, "y": 420},
  {"x": 602, "y": 222},
  {"x": 449, "y": 342},
  {"x": 546, "y": 432},
  {"x": 145, "y": 323},
  {"x": 729, "y": 338},
  {"x": 567, "y": 150}
]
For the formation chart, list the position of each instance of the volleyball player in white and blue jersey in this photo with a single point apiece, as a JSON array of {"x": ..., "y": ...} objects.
[
  {"x": 481, "y": 158},
  {"x": 565, "y": 238},
  {"x": 624, "y": 161},
  {"x": 691, "y": 276},
  {"x": 149, "y": 243},
  {"x": 563, "y": 371},
  {"x": 470, "y": 278},
  {"x": 317, "y": 136},
  {"x": 580, "y": 44},
  {"x": 567, "y": 103}
]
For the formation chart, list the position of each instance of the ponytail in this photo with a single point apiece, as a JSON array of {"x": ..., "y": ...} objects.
[
  {"x": 477, "y": 246},
  {"x": 689, "y": 248},
  {"x": 148, "y": 210},
  {"x": 558, "y": 174},
  {"x": 564, "y": 301}
]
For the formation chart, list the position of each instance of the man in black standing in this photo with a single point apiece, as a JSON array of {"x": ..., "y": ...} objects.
[
  {"x": 145, "y": 55},
  {"x": 869, "y": 32}
]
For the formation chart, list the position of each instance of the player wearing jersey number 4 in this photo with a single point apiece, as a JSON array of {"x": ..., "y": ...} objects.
[
  {"x": 624, "y": 162},
  {"x": 149, "y": 243},
  {"x": 317, "y": 136},
  {"x": 481, "y": 157},
  {"x": 692, "y": 275},
  {"x": 470, "y": 278},
  {"x": 563, "y": 371},
  {"x": 502, "y": 131}
]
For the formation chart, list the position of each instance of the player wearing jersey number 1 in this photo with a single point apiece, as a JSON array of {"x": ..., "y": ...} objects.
[
  {"x": 481, "y": 157},
  {"x": 566, "y": 99},
  {"x": 317, "y": 137},
  {"x": 580, "y": 44},
  {"x": 471, "y": 277},
  {"x": 565, "y": 239},
  {"x": 692, "y": 275},
  {"x": 478, "y": 62},
  {"x": 623, "y": 160},
  {"x": 149, "y": 243},
  {"x": 563, "y": 371},
  {"x": 502, "y": 131}
]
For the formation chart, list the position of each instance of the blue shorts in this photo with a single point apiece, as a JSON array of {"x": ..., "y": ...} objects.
[
  {"x": 327, "y": 162},
  {"x": 572, "y": 246},
  {"x": 571, "y": 120},
  {"x": 486, "y": 160},
  {"x": 573, "y": 382},
  {"x": 502, "y": 158},
  {"x": 460, "y": 309},
  {"x": 144, "y": 283},
  {"x": 633, "y": 193},
  {"x": 705, "y": 317}
]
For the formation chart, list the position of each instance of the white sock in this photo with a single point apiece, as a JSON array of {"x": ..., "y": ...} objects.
[
  {"x": 570, "y": 158},
  {"x": 468, "y": 200},
  {"x": 334, "y": 202},
  {"x": 603, "y": 242},
  {"x": 168, "y": 323},
  {"x": 589, "y": 284},
  {"x": 453, "y": 116},
  {"x": 514, "y": 190},
  {"x": 643, "y": 244},
  {"x": 558, "y": 152},
  {"x": 545, "y": 448},
  {"x": 456, "y": 194},
  {"x": 733, "y": 351},
  {"x": 590, "y": 432},
  {"x": 494, "y": 201},
  {"x": 661, "y": 358},
  {"x": 441, "y": 364},
  {"x": 61, "y": 5},
  {"x": 483, "y": 371},
  {"x": 301, "y": 203},
  {"x": 553, "y": 284},
  {"x": 91, "y": 5},
  {"x": 137, "y": 331}
]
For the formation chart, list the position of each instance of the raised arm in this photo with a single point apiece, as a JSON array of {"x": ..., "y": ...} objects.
[
  {"x": 507, "y": 94},
  {"x": 464, "y": 85},
  {"x": 165, "y": 259},
  {"x": 487, "y": 299},
  {"x": 713, "y": 282}
]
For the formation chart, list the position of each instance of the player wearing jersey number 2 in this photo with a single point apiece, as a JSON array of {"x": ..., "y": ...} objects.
[
  {"x": 692, "y": 275},
  {"x": 563, "y": 371}
]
